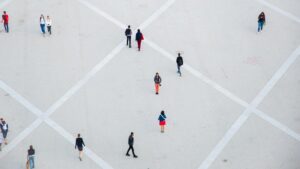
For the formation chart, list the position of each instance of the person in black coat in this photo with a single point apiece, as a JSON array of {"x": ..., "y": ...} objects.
[
  {"x": 130, "y": 143},
  {"x": 79, "y": 144},
  {"x": 179, "y": 62},
  {"x": 139, "y": 37},
  {"x": 128, "y": 34}
]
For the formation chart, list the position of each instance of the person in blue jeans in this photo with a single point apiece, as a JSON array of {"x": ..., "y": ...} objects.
[
  {"x": 30, "y": 156},
  {"x": 42, "y": 24},
  {"x": 261, "y": 21}
]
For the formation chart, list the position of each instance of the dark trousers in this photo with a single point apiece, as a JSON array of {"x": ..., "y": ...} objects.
[
  {"x": 43, "y": 28},
  {"x": 128, "y": 42},
  {"x": 139, "y": 42},
  {"x": 6, "y": 27},
  {"x": 132, "y": 149},
  {"x": 178, "y": 71},
  {"x": 49, "y": 29}
]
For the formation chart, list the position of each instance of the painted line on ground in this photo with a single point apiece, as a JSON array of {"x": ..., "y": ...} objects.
[
  {"x": 245, "y": 115},
  {"x": 275, "y": 8}
]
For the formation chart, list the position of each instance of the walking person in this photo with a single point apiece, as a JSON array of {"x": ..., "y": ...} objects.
[
  {"x": 128, "y": 34},
  {"x": 179, "y": 62},
  {"x": 42, "y": 24},
  {"x": 5, "y": 21},
  {"x": 130, "y": 143},
  {"x": 261, "y": 21},
  {"x": 4, "y": 129},
  {"x": 49, "y": 24},
  {"x": 139, "y": 37},
  {"x": 162, "y": 121},
  {"x": 1, "y": 140},
  {"x": 157, "y": 82},
  {"x": 79, "y": 144},
  {"x": 30, "y": 156}
]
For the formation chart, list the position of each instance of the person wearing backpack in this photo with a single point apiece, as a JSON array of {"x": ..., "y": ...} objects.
[
  {"x": 179, "y": 62},
  {"x": 4, "y": 130},
  {"x": 162, "y": 121},
  {"x": 157, "y": 82},
  {"x": 128, "y": 34},
  {"x": 139, "y": 37}
]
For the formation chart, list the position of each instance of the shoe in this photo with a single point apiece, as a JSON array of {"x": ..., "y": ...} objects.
[
  {"x": 127, "y": 154},
  {"x": 156, "y": 93},
  {"x": 80, "y": 159},
  {"x": 135, "y": 156}
]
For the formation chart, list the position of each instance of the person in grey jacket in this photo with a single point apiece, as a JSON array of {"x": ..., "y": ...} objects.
[{"x": 130, "y": 143}]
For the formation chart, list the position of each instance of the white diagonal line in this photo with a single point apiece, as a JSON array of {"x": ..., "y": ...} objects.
[
  {"x": 245, "y": 115},
  {"x": 275, "y": 8}
]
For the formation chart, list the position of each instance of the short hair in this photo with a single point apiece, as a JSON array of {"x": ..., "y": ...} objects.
[{"x": 78, "y": 135}]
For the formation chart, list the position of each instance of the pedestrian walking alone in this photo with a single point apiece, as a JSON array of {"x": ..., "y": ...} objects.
[
  {"x": 30, "y": 156},
  {"x": 49, "y": 24},
  {"x": 5, "y": 19},
  {"x": 128, "y": 34},
  {"x": 261, "y": 21},
  {"x": 42, "y": 24},
  {"x": 130, "y": 143},
  {"x": 139, "y": 37},
  {"x": 157, "y": 82},
  {"x": 79, "y": 144},
  {"x": 162, "y": 121},
  {"x": 4, "y": 129},
  {"x": 179, "y": 62}
]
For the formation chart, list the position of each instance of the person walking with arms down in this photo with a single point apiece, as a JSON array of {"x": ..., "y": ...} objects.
[
  {"x": 261, "y": 21},
  {"x": 42, "y": 24},
  {"x": 128, "y": 34},
  {"x": 4, "y": 129},
  {"x": 130, "y": 143},
  {"x": 49, "y": 24},
  {"x": 139, "y": 37},
  {"x": 5, "y": 21},
  {"x": 30, "y": 156},
  {"x": 179, "y": 62},
  {"x": 157, "y": 82},
  {"x": 79, "y": 144},
  {"x": 162, "y": 121}
]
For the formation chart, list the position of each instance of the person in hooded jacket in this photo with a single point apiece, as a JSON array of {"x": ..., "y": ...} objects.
[
  {"x": 261, "y": 21},
  {"x": 139, "y": 37}
]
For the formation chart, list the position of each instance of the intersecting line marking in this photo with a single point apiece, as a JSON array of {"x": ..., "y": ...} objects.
[
  {"x": 98, "y": 160},
  {"x": 44, "y": 117}
]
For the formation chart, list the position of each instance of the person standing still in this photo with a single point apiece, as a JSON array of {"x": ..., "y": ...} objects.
[
  {"x": 49, "y": 24},
  {"x": 128, "y": 34},
  {"x": 179, "y": 62},
  {"x": 162, "y": 121},
  {"x": 79, "y": 144},
  {"x": 5, "y": 21},
  {"x": 261, "y": 21},
  {"x": 4, "y": 128},
  {"x": 139, "y": 37},
  {"x": 30, "y": 156},
  {"x": 130, "y": 143},
  {"x": 42, "y": 24},
  {"x": 157, "y": 82}
]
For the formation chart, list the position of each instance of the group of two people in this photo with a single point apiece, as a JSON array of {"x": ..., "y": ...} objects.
[
  {"x": 138, "y": 37},
  {"x": 45, "y": 22}
]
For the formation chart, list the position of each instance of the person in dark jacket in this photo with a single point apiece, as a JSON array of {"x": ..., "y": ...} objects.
[
  {"x": 4, "y": 129},
  {"x": 128, "y": 34},
  {"x": 130, "y": 143},
  {"x": 139, "y": 37},
  {"x": 79, "y": 144},
  {"x": 261, "y": 21},
  {"x": 30, "y": 156},
  {"x": 157, "y": 82},
  {"x": 5, "y": 19},
  {"x": 162, "y": 121},
  {"x": 179, "y": 62}
]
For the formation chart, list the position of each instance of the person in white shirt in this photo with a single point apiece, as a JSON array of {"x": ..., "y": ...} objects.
[
  {"x": 49, "y": 24},
  {"x": 42, "y": 24}
]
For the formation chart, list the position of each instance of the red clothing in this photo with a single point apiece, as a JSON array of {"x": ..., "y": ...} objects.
[
  {"x": 162, "y": 123},
  {"x": 5, "y": 18}
]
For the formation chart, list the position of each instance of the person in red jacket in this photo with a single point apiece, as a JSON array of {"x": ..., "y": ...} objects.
[
  {"x": 139, "y": 37},
  {"x": 5, "y": 21}
]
